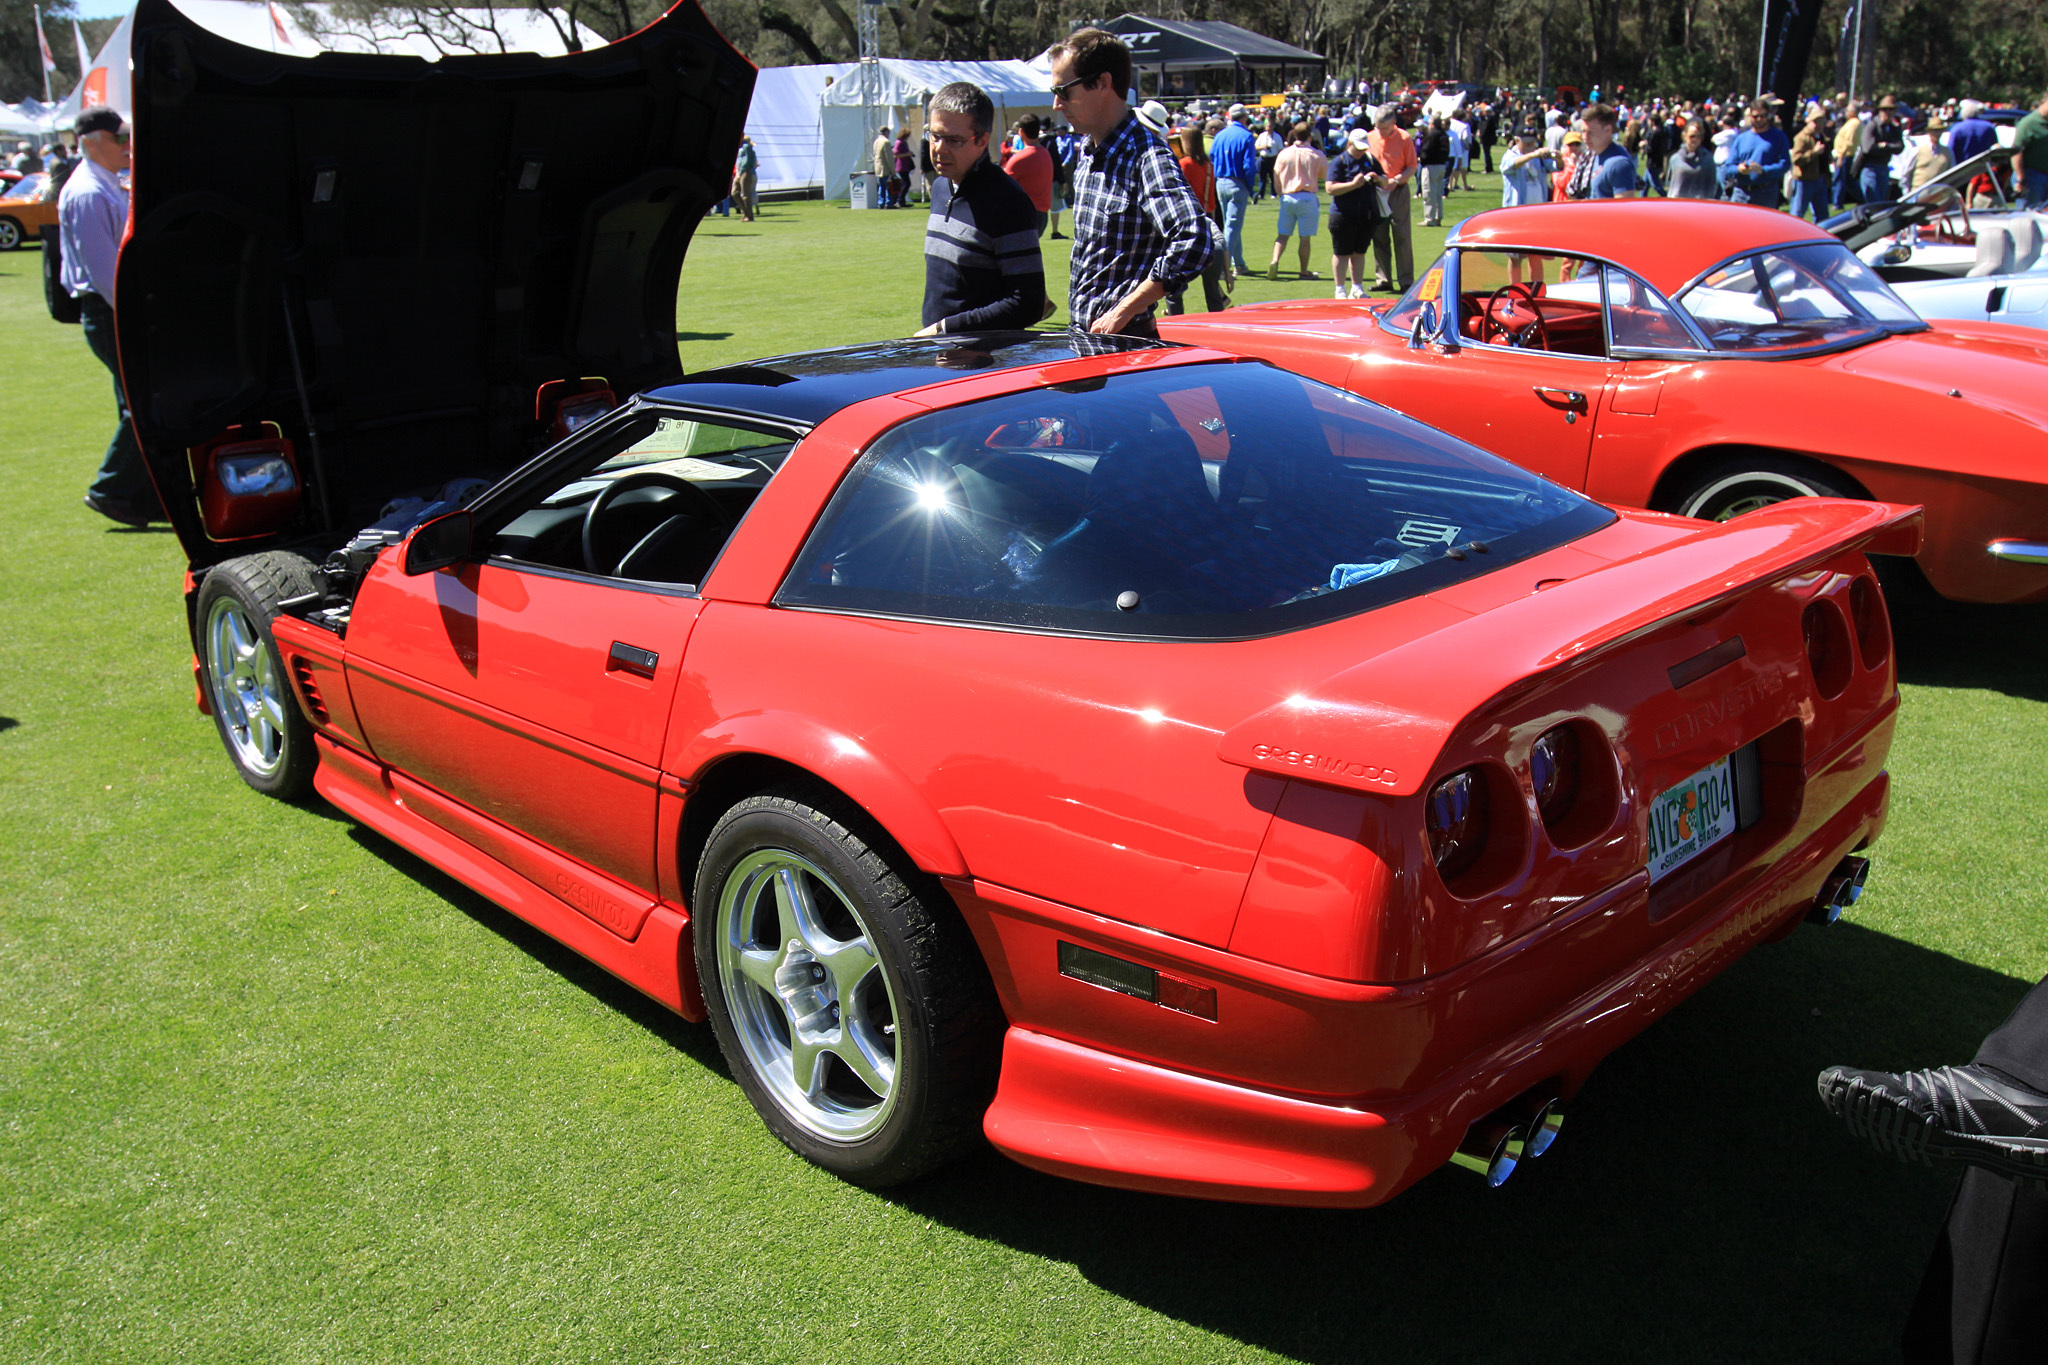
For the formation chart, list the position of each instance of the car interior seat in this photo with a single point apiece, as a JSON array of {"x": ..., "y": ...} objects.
[
  {"x": 2026, "y": 241},
  {"x": 1994, "y": 251},
  {"x": 1148, "y": 515}
]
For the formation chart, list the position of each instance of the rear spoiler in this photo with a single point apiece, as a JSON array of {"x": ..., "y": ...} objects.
[{"x": 1378, "y": 726}]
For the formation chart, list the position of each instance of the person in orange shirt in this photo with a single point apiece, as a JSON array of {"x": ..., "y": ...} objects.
[
  {"x": 1567, "y": 166},
  {"x": 1394, "y": 150}
]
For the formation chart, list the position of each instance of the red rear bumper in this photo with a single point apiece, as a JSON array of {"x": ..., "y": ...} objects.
[{"x": 1528, "y": 1015}]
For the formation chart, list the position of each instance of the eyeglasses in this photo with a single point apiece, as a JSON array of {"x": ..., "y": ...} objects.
[
  {"x": 952, "y": 141},
  {"x": 1062, "y": 92}
]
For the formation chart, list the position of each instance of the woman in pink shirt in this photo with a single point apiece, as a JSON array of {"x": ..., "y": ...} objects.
[{"x": 1295, "y": 175}]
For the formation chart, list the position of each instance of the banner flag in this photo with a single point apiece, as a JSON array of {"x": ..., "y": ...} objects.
[{"x": 1782, "y": 56}]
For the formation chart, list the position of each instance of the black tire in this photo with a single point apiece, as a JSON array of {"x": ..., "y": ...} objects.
[
  {"x": 878, "y": 937},
  {"x": 11, "y": 235},
  {"x": 255, "y": 710},
  {"x": 1734, "y": 486}
]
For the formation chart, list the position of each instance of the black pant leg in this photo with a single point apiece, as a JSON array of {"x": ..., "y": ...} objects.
[
  {"x": 1984, "y": 1297},
  {"x": 2019, "y": 1046}
]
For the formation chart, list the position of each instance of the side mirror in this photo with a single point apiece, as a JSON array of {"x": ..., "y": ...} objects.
[
  {"x": 439, "y": 543},
  {"x": 1426, "y": 323}
]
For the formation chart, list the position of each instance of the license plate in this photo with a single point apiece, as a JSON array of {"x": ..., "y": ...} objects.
[{"x": 1692, "y": 817}]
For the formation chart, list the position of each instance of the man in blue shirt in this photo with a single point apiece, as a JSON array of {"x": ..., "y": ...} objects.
[
  {"x": 1234, "y": 157},
  {"x": 1605, "y": 171},
  {"x": 1758, "y": 161},
  {"x": 92, "y": 213},
  {"x": 1973, "y": 134}
]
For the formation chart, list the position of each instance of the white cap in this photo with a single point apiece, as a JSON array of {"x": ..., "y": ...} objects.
[
  {"x": 1358, "y": 137},
  {"x": 1970, "y": 108},
  {"x": 1237, "y": 111},
  {"x": 1153, "y": 115}
]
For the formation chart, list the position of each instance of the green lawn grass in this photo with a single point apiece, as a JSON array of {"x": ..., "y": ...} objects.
[{"x": 271, "y": 1090}]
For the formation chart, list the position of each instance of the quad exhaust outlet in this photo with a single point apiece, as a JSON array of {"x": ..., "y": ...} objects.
[
  {"x": 1522, "y": 1131},
  {"x": 1841, "y": 890}
]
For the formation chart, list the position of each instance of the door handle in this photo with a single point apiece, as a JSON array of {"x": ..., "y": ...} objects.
[{"x": 1571, "y": 400}]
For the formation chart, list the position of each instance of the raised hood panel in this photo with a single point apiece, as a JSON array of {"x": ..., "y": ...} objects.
[{"x": 405, "y": 250}]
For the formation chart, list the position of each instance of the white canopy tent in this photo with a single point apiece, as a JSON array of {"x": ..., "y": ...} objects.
[
  {"x": 1016, "y": 88},
  {"x": 256, "y": 23},
  {"x": 18, "y": 122},
  {"x": 783, "y": 122}
]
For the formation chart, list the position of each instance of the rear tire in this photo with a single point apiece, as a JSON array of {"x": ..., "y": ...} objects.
[
  {"x": 1736, "y": 486},
  {"x": 10, "y": 235},
  {"x": 267, "y": 736},
  {"x": 845, "y": 991}
]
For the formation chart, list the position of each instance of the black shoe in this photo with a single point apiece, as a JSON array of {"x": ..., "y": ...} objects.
[
  {"x": 113, "y": 509},
  {"x": 1957, "y": 1113},
  {"x": 1059, "y": 237}
]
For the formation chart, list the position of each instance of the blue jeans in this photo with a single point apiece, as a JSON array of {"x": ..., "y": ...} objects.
[
  {"x": 1845, "y": 184},
  {"x": 1876, "y": 184},
  {"x": 1810, "y": 199},
  {"x": 1235, "y": 198},
  {"x": 2036, "y": 188},
  {"x": 122, "y": 477}
]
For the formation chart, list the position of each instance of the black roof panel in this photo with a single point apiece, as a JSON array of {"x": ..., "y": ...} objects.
[{"x": 810, "y": 387}]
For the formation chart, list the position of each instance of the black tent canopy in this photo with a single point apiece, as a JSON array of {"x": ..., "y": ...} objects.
[{"x": 1207, "y": 56}]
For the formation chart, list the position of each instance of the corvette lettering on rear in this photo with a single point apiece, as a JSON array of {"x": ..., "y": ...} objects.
[
  {"x": 1326, "y": 763},
  {"x": 1709, "y": 715}
]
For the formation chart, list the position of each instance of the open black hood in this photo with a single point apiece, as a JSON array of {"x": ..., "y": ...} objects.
[{"x": 386, "y": 257}]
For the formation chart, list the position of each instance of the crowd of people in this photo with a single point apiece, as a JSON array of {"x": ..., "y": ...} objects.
[{"x": 1367, "y": 167}]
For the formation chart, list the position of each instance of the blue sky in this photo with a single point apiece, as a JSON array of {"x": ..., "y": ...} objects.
[{"x": 102, "y": 9}]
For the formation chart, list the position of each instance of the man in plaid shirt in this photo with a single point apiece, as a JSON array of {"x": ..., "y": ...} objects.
[{"x": 1139, "y": 232}]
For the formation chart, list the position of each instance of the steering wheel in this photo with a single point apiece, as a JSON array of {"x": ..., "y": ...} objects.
[
  {"x": 1536, "y": 329},
  {"x": 646, "y": 478}
]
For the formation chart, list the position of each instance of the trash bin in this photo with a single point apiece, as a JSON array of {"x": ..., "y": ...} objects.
[{"x": 860, "y": 188}]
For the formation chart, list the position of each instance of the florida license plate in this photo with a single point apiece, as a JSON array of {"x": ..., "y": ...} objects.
[{"x": 1692, "y": 817}]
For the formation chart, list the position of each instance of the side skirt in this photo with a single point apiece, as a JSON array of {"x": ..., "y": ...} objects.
[{"x": 655, "y": 960}]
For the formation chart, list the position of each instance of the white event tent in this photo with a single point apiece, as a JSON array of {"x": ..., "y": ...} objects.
[
  {"x": 810, "y": 133},
  {"x": 256, "y": 23}
]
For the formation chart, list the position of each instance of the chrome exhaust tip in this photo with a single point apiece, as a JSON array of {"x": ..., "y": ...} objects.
[
  {"x": 1492, "y": 1149},
  {"x": 1544, "y": 1121},
  {"x": 1842, "y": 889}
]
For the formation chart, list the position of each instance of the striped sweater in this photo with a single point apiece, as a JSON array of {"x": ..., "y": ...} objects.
[{"x": 981, "y": 266}]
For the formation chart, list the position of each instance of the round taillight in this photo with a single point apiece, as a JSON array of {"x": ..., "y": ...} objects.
[
  {"x": 1554, "y": 772},
  {"x": 1872, "y": 622},
  {"x": 1827, "y": 647},
  {"x": 1458, "y": 821}
]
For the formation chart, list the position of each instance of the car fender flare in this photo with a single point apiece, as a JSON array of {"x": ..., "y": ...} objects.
[{"x": 876, "y": 785}]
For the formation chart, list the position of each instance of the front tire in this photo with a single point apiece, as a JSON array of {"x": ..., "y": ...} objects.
[
  {"x": 1734, "y": 487},
  {"x": 848, "y": 998},
  {"x": 10, "y": 235},
  {"x": 267, "y": 737}
]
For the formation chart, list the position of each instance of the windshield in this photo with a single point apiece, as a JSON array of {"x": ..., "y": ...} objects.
[
  {"x": 1217, "y": 500},
  {"x": 1793, "y": 299},
  {"x": 28, "y": 187}
]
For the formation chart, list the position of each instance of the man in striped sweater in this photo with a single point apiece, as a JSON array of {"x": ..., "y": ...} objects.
[{"x": 982, "y": 270}]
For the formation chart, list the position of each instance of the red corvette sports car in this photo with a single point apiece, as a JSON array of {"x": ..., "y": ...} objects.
[
  {"x": 1704, "y": 359},
  {"x": 1190, "y": 775}
]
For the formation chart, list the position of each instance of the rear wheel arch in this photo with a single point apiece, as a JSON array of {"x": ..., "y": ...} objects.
[{"x": 1695, "y": 470}]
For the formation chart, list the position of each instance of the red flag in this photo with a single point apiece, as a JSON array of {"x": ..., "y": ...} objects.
[
  {"x": 277, "y": 23},
  {"x": 49, "y": 60}
]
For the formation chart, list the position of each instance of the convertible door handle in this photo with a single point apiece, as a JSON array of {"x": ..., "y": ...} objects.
[{"x": 1571, "y": 398}]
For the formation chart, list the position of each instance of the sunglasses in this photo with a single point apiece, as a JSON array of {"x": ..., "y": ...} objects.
[{"x": 1061, "y": 92}]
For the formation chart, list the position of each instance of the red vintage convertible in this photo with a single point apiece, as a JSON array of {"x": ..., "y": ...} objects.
[
  {"x": 1190, "y": 775},
  {"x": 1704, "y": 359}
]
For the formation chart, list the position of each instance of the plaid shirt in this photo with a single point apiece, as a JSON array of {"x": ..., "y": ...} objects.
[{"x": 1135, "y": 219}]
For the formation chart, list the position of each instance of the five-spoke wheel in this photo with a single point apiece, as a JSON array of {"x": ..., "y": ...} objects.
[
  {"x": 809, "y": 1001},
  {"x": 267, "y": 737},
  {"x": 846, "y": 992}
]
